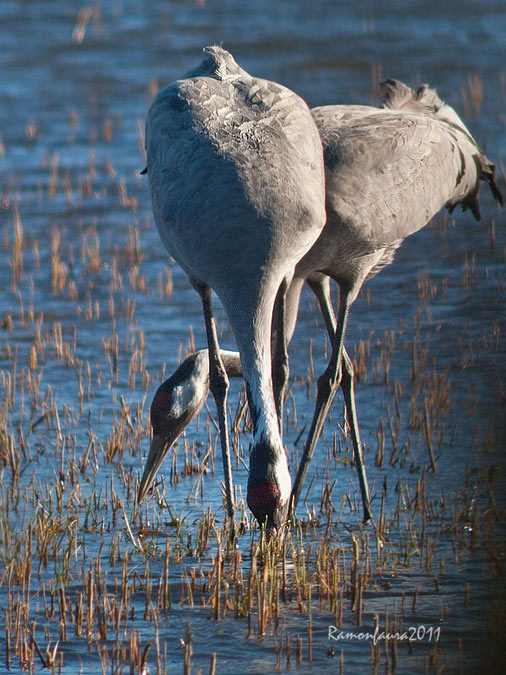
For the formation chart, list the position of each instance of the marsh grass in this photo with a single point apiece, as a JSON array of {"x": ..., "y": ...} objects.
[{"x": 90, "y": 578}]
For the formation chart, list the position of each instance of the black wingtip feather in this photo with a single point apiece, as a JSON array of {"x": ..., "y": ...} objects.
[
  {"x": 495, "y": 188},
  {"x": 487, "y": 173}
]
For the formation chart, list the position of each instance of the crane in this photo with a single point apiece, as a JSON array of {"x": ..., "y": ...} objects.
[
  {"x": 414, "y": 150},
  {"x": 235, "y": 167},
  {"x": 388, "y": 172}
]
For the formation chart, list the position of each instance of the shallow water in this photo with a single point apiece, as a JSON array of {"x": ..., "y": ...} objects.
[{"x": 76, "y": 86}]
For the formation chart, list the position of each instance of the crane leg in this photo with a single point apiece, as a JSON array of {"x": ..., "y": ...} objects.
[
  {"x": 218, "y": 384},
  {"x": 351, "y": 412},
  {"x": 321, "y": 288},
  {"x": 328, "y": 384},
  {"x": 320, "y": 285},
  {"x": 280, "y": 363}
]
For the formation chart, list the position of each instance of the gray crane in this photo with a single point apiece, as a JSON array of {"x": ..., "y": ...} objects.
[
  {"x": 388, "y": 172},
  {"x": 235, "y": 167},
  {"x": 416, "y": 151}
]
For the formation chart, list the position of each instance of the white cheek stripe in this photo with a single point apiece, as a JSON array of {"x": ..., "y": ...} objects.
[
  {"x": 192, "y": 392},
  {"x": 181, "y": 398}
]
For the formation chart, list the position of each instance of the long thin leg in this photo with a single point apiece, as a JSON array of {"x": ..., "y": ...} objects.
[
  {"x": 320, "y": 285},
  {"x": 348, "y": 388},
  {"x": 328, "y": 383},
  {"x": 321, "y": 289},
  {"x": 280, "y": 363},
  {"x": 218, "y": 384}
]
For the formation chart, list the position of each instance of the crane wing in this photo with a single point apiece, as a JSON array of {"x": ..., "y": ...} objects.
[{"x": 389, "y": 172}]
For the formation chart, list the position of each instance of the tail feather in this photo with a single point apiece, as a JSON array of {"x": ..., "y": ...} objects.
[
  {"x": 486, "y": 172},
  {"x": 398, "y": 96}
]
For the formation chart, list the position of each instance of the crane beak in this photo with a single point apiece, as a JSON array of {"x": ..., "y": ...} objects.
[{"x": 160, "y": 446}]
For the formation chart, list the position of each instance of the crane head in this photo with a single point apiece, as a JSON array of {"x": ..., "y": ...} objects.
[
  {"x": 265, "y": 502},
  {"x": 176, "y": 402},
  {"x": 269, "y": 485}
]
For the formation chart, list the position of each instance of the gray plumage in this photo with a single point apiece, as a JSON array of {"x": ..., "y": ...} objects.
[
  {"x": 233, "y": 160},
  {"x": 388, "y": 172},
  {"x": 235, "y": 169}
]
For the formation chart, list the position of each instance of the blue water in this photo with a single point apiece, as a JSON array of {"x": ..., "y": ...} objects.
[{"x": 74, "y": 97}]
